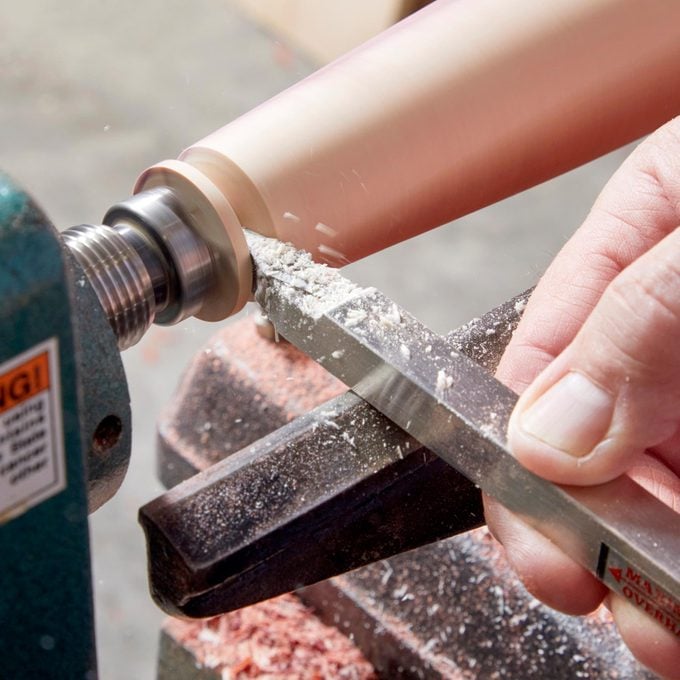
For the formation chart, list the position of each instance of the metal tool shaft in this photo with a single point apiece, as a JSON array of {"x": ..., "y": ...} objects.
[{"x": 618, "y": 531}]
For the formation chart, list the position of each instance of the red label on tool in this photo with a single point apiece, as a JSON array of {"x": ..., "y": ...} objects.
[{"x": 643, "y": 593}]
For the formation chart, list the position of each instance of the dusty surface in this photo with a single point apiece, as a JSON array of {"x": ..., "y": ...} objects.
[
  {"x": 91, "y": 94},
  {"x": 459, "y": 608},
  {"x": 203, "y": 424},
  {"x": 539, "y": 642}
]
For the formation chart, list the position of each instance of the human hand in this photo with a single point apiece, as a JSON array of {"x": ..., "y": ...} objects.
[{"x": 596, "y": 359}]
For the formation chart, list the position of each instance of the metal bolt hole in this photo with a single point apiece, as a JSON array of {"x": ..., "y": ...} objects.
[{"x": 107, "y": 434}]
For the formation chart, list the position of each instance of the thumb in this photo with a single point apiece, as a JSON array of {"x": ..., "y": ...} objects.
[{"x": 615, "y": 390}]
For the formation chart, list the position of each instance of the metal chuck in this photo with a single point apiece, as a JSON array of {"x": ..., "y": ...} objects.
[{"x": 145, "y": 263}]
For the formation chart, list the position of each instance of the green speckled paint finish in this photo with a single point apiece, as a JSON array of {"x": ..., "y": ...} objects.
[{"x": 46, "y": 617}]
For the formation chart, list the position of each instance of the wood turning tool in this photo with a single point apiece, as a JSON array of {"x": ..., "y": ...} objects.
[{"x": 618, "y": 531}]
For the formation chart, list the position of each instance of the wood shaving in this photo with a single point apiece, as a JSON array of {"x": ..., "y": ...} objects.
[
  {"x": 443, "y": 383},
  {"x": 279, "y": 639},
  {"x": 326, "y": 230},
  {"x": 520, "y": 305},
  {"x": 333, "y": 253},
  {"x": 355, "y": 317},
  {"x": 391, "y": 318}
]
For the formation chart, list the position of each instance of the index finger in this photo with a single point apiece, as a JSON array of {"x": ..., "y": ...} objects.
[{"x": 637, "y": 208}]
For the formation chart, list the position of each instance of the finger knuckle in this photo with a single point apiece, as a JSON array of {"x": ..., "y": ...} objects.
[
  {"x": 650, "y": 295},
  {"x": 640, "y": 325},
  {"x": 658, "y": 157}
]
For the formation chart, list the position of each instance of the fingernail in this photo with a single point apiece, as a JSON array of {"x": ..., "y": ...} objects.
[{"x": 572, "y": 416}]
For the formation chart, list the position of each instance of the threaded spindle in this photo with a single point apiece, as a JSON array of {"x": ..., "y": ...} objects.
[{"x": 118, "y": 276}]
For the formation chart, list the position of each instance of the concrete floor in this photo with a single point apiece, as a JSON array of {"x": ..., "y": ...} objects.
[{"x": 93, "y": 92}]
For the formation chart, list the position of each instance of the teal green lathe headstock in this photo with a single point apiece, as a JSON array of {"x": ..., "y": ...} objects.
[{"x": 46, "y": 438}]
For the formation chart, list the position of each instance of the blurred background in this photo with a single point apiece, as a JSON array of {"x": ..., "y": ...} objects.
[{"x": 92, "y": 92}]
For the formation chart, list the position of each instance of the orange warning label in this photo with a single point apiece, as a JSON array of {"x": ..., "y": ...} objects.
[
  {"x": 24, "y": 382},
  {"x": 32, "y": 461}
]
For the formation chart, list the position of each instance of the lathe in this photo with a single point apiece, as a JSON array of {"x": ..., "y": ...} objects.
[{"x": 453, "y": 109}]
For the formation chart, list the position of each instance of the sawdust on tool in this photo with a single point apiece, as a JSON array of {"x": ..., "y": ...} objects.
[
  {"x": 318, "y": 287},
  {"x": 279, "y": 639}
]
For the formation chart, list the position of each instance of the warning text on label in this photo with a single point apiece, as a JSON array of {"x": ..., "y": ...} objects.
[
  {"x": 31, "y": 451},
  {"x": 645, "y": 595}
]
